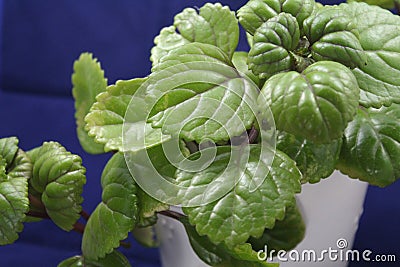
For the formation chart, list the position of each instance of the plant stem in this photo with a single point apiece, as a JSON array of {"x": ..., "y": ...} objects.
[
  {"x": 37, "y": 214},
  {"x": 36, "y": 202},
  {"x": 253, "y": 134},
  {"x": 172, "y": 214},
  {"x": 85, "y": 215},
  {"x": 79, "y": 227}
]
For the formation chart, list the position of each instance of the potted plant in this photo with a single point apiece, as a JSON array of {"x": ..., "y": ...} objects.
[{"x": 228, "y": 137}]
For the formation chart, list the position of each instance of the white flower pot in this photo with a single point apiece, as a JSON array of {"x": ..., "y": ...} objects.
[{"x": 331, "y": 210}]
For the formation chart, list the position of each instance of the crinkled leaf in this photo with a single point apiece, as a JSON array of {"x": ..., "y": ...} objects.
[
  {"x": 115, "y": 259},
  {"x": 380, "y": 38},
  {"x": 272, "y": 44},
  {"x": 315, "y": 161},
  {"x": 214, "y": 24},
  {"x": 255, "y": 12},
  {"x": 242, "y": 212},
  {"x": 333, "y": 36},
  {"x": 285, "y": 235},
  {"x": 8, "y": 149},
  {"x": 197, "y": 93},
  {"x": 58, "y": 178},
  {"x": 15, "y": 170},
  {"x": 316, "y": 104},
  {"x": 220, "y": 255},
  {"x": 116, "y": 215},
  {"x": 88, "y": 81},
  {"x": 105, "y": 120},
  {"x": 371, "y": 147}
]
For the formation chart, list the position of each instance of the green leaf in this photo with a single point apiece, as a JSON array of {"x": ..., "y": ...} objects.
[
  {"x": 239, "y": 60},
  {"x": 220, "y": 255},
  {"x": 242, "y": 212},
  {"x": 123, "y": 206},
  {"x": 146, "y": 236},
  {"x": 315, "y": 161},
  {"x": 196, "y": 92},
  {"x": 8, "y": 149},
  {"x": 115, "y": 259},
  {"x": 272, "y": 44},
  {"x": 285, "y": 235},
  {"x": 255, "y": 12},
  {"x": 88, "y": 81},
  {"x": 116, "y": 215},
  {"x": 371, "y": 147},
  {"x": 333, "y": 36},
  {"x": 105, "y": 120},
  {"x": 380, "y": 38},
  {"x": 58, "y": 177},
  {"x": 316, "y": 104},
  {"x": 214, "y": 24},
  {"x": 389, "y": 4},
  {"x": 15, "y": 170}
]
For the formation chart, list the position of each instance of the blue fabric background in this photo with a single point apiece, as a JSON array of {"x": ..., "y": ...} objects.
[{"x": 40, "y": 40}]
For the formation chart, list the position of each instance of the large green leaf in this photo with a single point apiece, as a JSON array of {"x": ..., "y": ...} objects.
[
  {"x": 315, "y": 161},
  {"x": 371, "y": 147},
  {"x": 255, "y": 12},
  {"x": 115, "y": 259},
  {"x": 380, "y": 38},
  {"x": 116, "y": 215},
  {"x": 242, "y": 212},
  {"x": 333, "y": 36},
  {"x": 196, "y": 92},
  {"x": 105, "y": 120},
  {"x": 285, "y": 235},
  {"x": 15, "y": 170},
  {"x": 88, "y": 81},
  {"x": 214, "y": 24},
  {"x": 58, "y": 177},
  {"x": 272, "y": 44},
  {"x": 316, "y": 104},
  {"x": 220, "y": 255}
]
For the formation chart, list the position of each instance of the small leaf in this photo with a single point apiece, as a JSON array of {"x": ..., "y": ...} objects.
[
  {"x": 272, "y": 44},
  {"x": 242, "y": 212},
  {"x": 380, "y": 38},
  {"x": 116, "y": 215},
  {"x": 371, "y": 147},
  {"x": 88, "y": 81},
  {"x": 333, "y": 36},
  {"x": 285, "y": 235},
  {"x": 316, "y": 104},
  {"x": 255, "y": 12},
  {"x": 220, "y": 255},
  {"x": 146, "y": 236},
  {"x": 214, "y": 24},
  {"x": 15, "y": 170},
  {"x": 115, "y": 259},
  {"x": 196, "y": 92},
  {"x": 315, "y": 161},
  {"x": 58, "y": 177}
]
